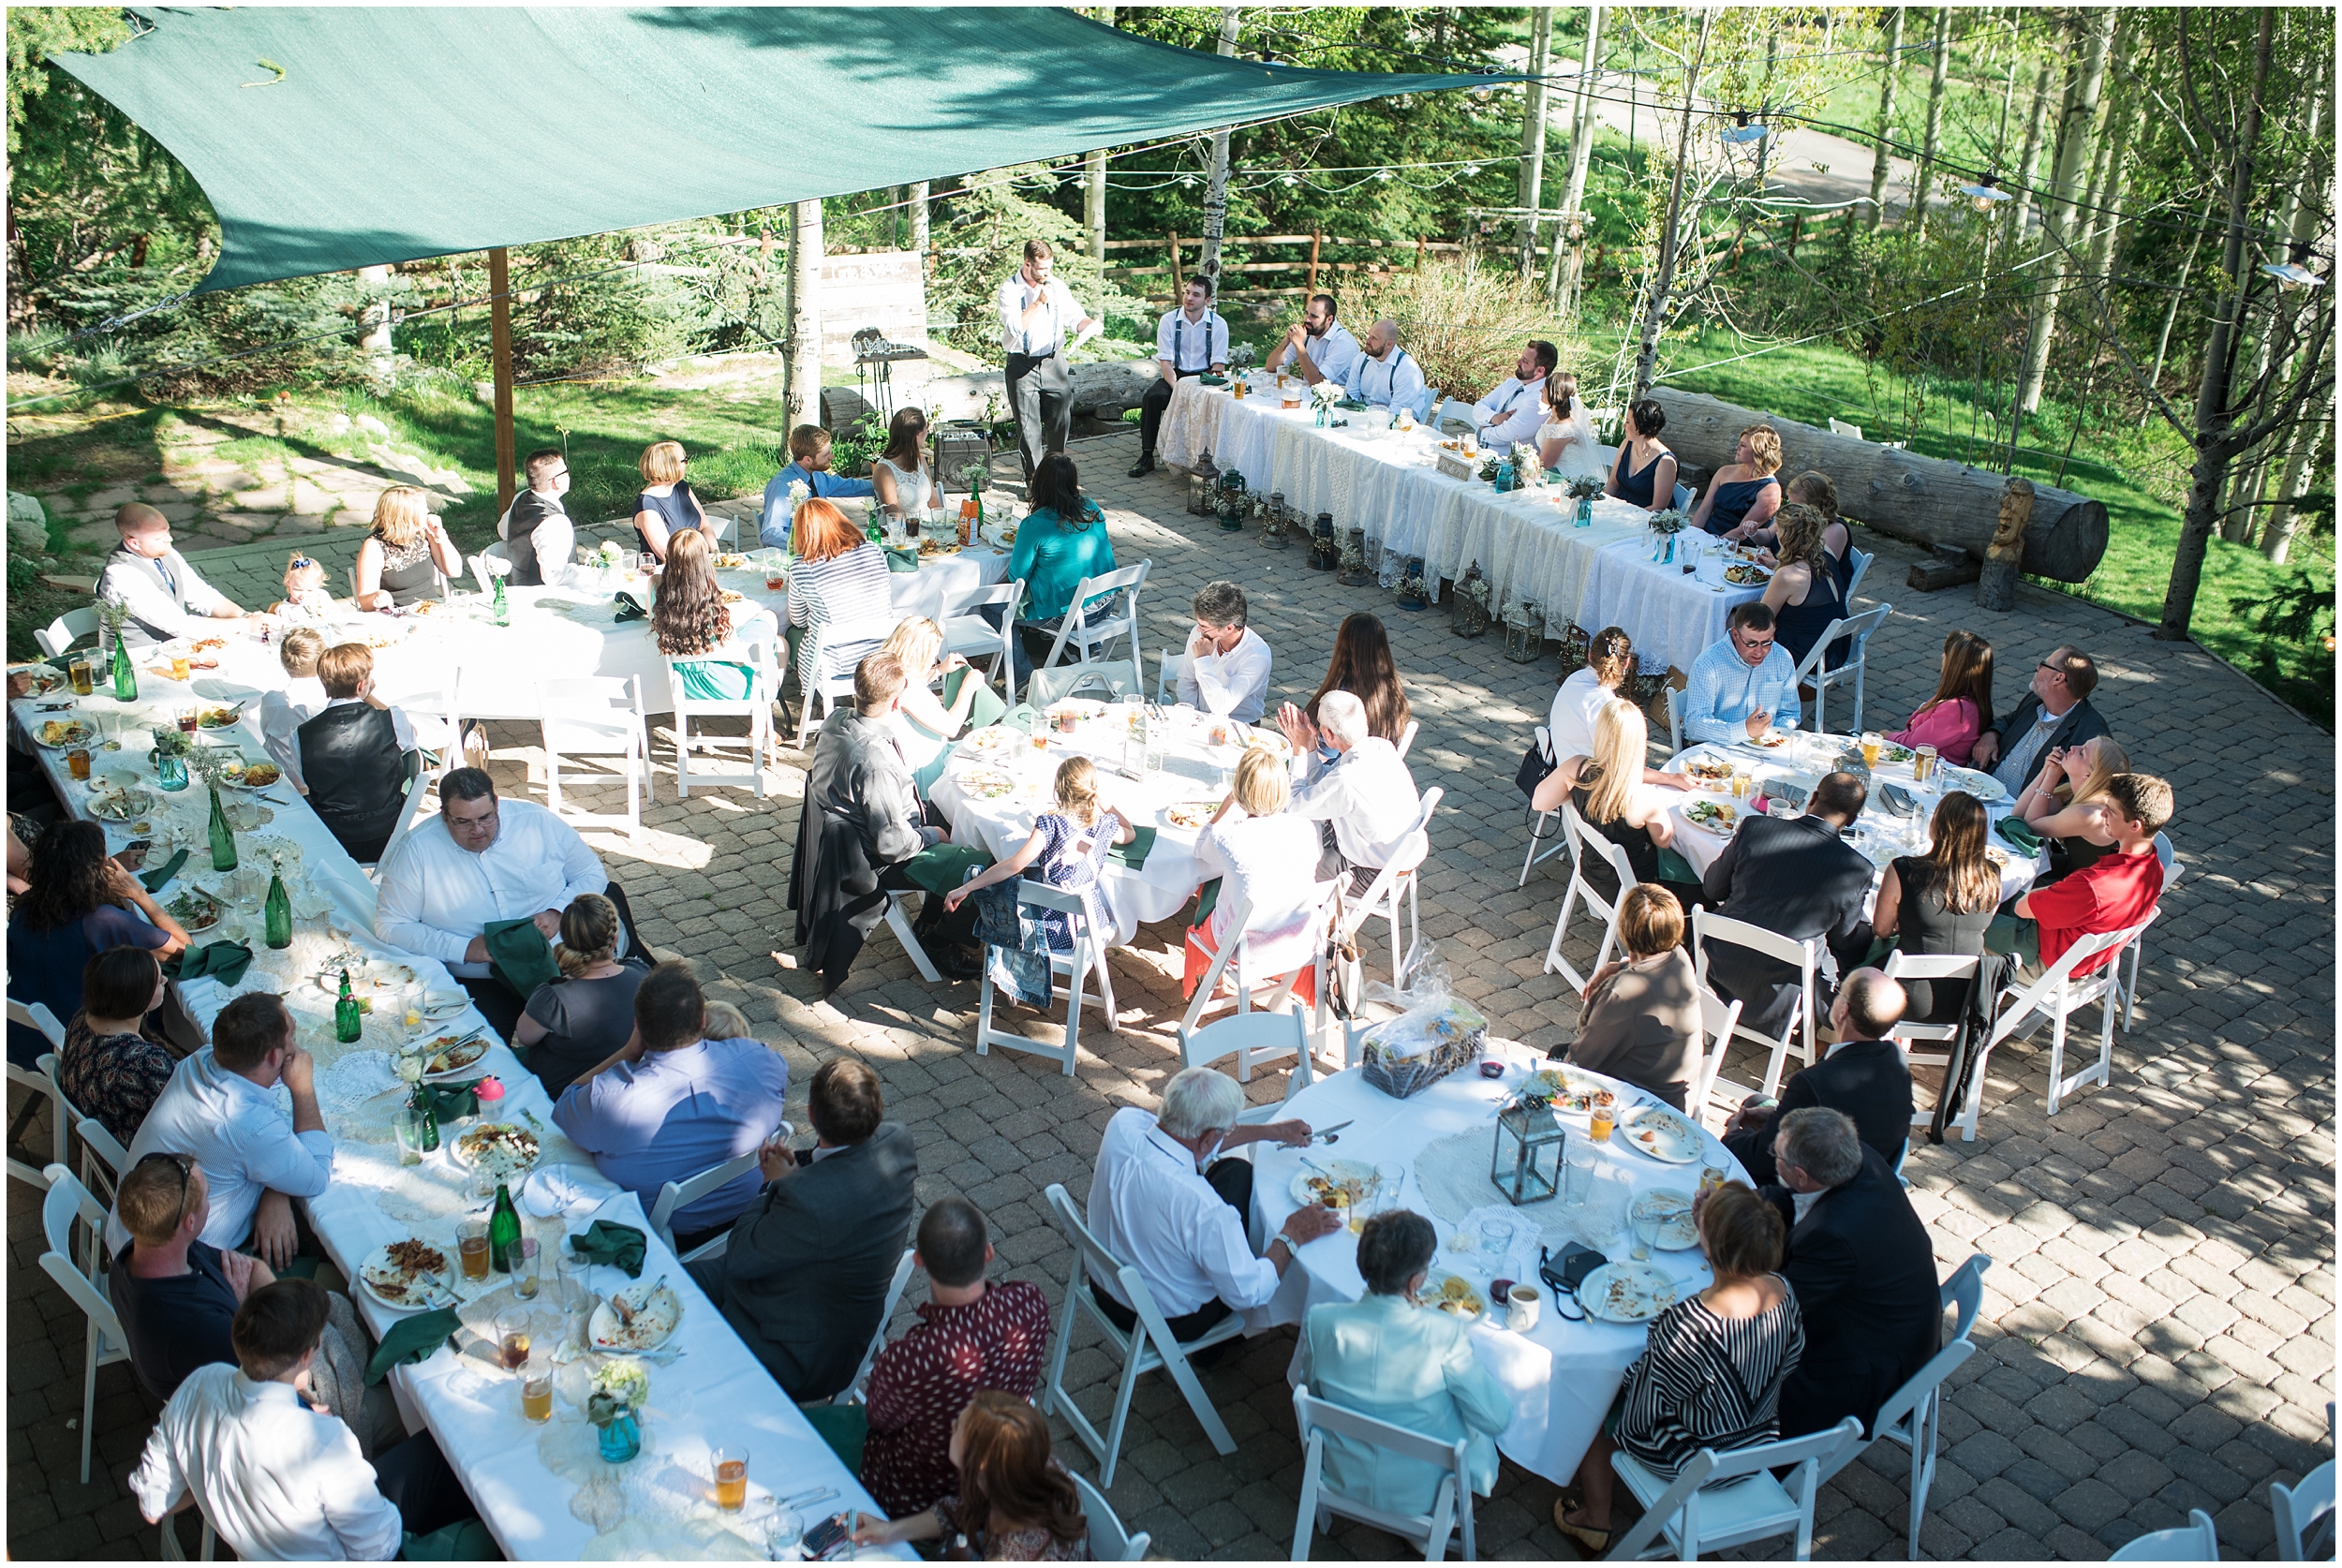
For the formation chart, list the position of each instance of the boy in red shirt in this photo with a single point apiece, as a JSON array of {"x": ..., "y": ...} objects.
[{"x": 2115, "y": 893}]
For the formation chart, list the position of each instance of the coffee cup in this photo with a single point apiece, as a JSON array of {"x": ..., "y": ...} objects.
[
  {"x": 1500, "y": 1291},
  {"x": 1522, "y": 1309}
]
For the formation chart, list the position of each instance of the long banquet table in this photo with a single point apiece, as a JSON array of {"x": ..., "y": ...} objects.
[
  {"x": 544, "y": 1491},
  {"x": 1612, "y": 573},
  {"x": 1560, "y": 1375}
]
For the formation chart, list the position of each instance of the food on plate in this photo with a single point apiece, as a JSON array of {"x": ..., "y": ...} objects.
[
  {"x": 498, "y": 1145},
  {"x": 1453, "y": 1294},
  {"x": 261, "y": 775},
  {"x": 1889, "y": 753},
  {"x": 1637, "y": 1294},
  {"x": 452, "y": 1054},
  {"x": 986, "y": 784},
  {"x": 43, "y": 680},
  {"x": 64, "y": 732},
  {"x": 730, "y": 562},
  {"x": 194, "y": 909},
  {"x": 219, "y": 719},
  {"x": 640, "y": 1317},
  {"x": 992, "y": 739},
  {"x": 1771, "y": 740},
  {"x": 121, "y": 806},
  {"x": 1712, "y": 814},
  {"x": 1190, "y": 813},
  {"x": 1678, "y": 1230},
  {"x": 932, "y": 544},
  {"x": 1744, "y": 574},
  {"x": 1335, "y": 1194},
  {"x": 404, "y": 1271},
  {"x": 1663, "y": 1135},
  {"x": 1568, "y": 1092},
  {"x": 203, "y": 644},
  {"x": 1708, "y": 770},
  {"x": 730, "y": 596}
]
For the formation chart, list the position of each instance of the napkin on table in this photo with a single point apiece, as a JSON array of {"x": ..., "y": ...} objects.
[
  {"x": 901, "y": 560},
  {"x": 452, "y": 1102},
  {"x": 412, "y": 1339},
  {"x": 154, "y": 880},
  {"x": 984, "y": 710},
  {"x": 940, "y": 867},
  {"x": 552, "y": 1190},
  {"x": 1133, "y": 854},
  {"x": 605, "y": 1241},
  {"x": 222, "y": 961}
]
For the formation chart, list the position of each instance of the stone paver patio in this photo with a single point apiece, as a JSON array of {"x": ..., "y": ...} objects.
[{"x": 2157, "y": 1331}]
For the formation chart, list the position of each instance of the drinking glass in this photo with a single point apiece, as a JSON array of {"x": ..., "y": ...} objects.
[
  {"x": 179, "y": 672},
  {"x": 784, "y": 1537},
  {"x": 1740, "y": 785},
  {"x": 528, "y": 1268},
  {"x": 78, "y": 671},
  {"x": 1871, "y": 741},
  {"x": 471, "y": 1246},
  {"x": 186, "y": 714},
  {"x": 408, "y": 1125},
  {"x": 537, "y": 1390},
  {"x": 1646, "y": 1236},
  {"x": 513, "y": 1336},
  {"x": 731, "y": 1478},
  {"x": 76, "y": 764},
  {"x": 1579, "y": 1156}
]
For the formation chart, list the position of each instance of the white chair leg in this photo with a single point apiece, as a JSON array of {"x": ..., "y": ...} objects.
[
  {"x": 1554, "y": 962},
  {"x": 1074, "y": 997},
  {"x": 984, "y": 1048},
  {"x": 2057, "y": 1055},
  {"x": 1121, "y": 1414},
  {"x": 682, "y": 756},
  {"x": 903, "y": 934},
  {"x": 89, "y": 1397}
]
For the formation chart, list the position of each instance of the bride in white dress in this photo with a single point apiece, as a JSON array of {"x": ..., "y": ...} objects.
[{"x": 1565, "y": 442}]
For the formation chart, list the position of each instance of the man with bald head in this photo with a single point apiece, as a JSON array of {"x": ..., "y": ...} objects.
[
  {"x": 153, "y": 580},
  {"x": 1384, "y": 374},
  {"x": 1864, "y": 1077}
]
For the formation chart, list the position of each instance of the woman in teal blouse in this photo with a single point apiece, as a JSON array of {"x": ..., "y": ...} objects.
[
  {"x": 1061, "y": 541},
  {"x": 689, "y": 618}
]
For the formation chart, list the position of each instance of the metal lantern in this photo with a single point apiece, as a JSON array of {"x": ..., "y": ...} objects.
[
  {"x": 1524, "y": 637},
  {"x": 1234, "y": 501},
  {"x": 1325, "y": 554},
  {"x": 1470, "y": 607},
  {"x": 1202, "y": 485},
  {"x": 1414, "y": 593},
  {"x": 1275, "y": 529},
  {"x": 1518, "y": 1165},
  {"x": 1353, "y": 572}
]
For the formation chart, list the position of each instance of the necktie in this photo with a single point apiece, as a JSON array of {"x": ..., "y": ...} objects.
[{"x": 169, "y": 582}]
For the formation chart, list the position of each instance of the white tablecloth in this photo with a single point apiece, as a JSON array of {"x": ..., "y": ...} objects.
[
  {"x": 1526, "y": 543},
  {"x": 1560, "y": 1375}
]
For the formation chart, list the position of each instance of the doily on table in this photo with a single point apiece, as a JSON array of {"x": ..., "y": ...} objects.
[
  {"x": 652, "y": 1508},
  {"x": 1453, "y": 1176}
]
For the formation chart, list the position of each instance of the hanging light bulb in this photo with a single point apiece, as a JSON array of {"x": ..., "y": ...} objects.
[
  {"x": 1743, "y": 131},
  {"x": 1292, "y": 181},
  {"x": 1986, "y": 193},
  {"x": 2291, "y": 274},
  {"x": 1471, "y": 170},
  {"x": 1187, "y": 182},
  {"x": 1382, "y": 173}
]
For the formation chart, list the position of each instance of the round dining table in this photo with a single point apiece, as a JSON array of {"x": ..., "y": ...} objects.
[{"x": 1435, "y": 1150}]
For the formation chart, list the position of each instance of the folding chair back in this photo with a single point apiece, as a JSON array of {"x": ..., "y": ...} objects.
[
  {"x": 1811, "y": 673},
  {"x": 1090, "y": 628},
  {"x": 1267, "y": 1034},
  {"x": 41, "y": 1082},
  {"x": 1583, "y": 840},
  {"x": 1234, "y": 954},
  {"x": 1314, "y": 1417},
  {"x": 1169, "y": 668},
  {"x": 2299, "y": 1507},
  {"x": 1862, "y": 559},
  {"x": 1804, "y": 956},
  {"x": 2169, "y": 859},
  {"x": 67, "y": 1202},
  {"x": 1683, "y": 498},
  {"x": 1840, "y": 428},
  {"x": 1088, "y": 954},
  {"x": 2197, "y": 1541},
  {"x": 1108, "y": 1541},
  {"x": 1406, "y": 738},
  {"x": 1538, "y": 832},
  {"x": 1718, "y": 1019},
  {"x": 481, "y": 571},
  {"x": 1932, "y": 968},
  {"x": 1675, "y": 721},
  {"x": 2055, "y": 995},
  {"x": 596, "y": 716},
  {"x": 1703, "y": 1510},
  {"x": 676, "y": 1195},
  {"x": 416, "y": 788},
  {"x": 852, "y": 1392},
  {"x": 969, "y": 634},
  {"x": 66, "y": 631},
  {"x": 756, "y": 707},
  {"x": 1115, "y": 678}
]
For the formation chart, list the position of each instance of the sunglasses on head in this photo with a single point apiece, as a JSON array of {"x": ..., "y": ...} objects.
[{"x": 186, "y": 1174}]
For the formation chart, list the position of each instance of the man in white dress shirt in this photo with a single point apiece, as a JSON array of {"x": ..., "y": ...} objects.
[
  {"x": 538, "y": 533},
  {"x": 1037, "y": 313},
  {"x": 153, "y": 580},
  {"x": 1189, "y": 341},
  {"x": 486, "y": 860},
  {"x": 1515, "y": 410},
  {"x": 1155, "y": 1205},
  {"x": 1366, "y": 793},
  {"x": 220, "y": 1111},
  {"x": 1384, "y": 374},
  {"x": 1227, "y": 661},
  {"x": 1320, "y": 347},
  {"x": 277, "y": 1476}
]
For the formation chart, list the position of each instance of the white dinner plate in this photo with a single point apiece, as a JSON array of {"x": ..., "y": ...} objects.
[
  {"x": 657, "y": 1313},
  {"x": 1662, "y": 1134},
  {"x": 406, "y": 1289},
  {"x": 1679, "y": 1233},
  {"x": 1462, "y": 1299},
  {"x": 1983, "y": 786},
  {"x": 1338, "y": 1171},
  {"x": 1627, "y": 1292}
]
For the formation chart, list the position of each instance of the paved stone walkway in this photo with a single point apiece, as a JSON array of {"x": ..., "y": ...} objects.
[{"x": 2157, "y": 1331}]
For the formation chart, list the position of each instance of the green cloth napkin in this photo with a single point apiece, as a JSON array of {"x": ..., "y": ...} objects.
[
  {"x": 452, "y": 1102},
  {"x": 940, "y": 867},
  {"x": 1022, "y": 718},
  {"x": 1213, "y": 380},
  {"x": 1673, "y": 867},
  {"x": 519, "y": 954},
  {"x": 845, "y": 1428},
  {"x": 607, "y": 1242},
  {"x": 412, "y": 1339},
  {"x": 626, "y": 607},
  {"x": 1207, "y": 900},
  {"x": 2019, "y": 835},
  {"x": 170, "y": 868},
  {"x": 1133, "y": 854},
  {"x": 901, "y": 560},
  {"x": 986, "y": 708},
  {"x": 222, "y": 961}
]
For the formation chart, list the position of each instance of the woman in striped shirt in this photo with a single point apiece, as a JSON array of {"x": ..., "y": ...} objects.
[
  {"x": 1712, "y": 1369},
  {"x": 838, "y": 594}
]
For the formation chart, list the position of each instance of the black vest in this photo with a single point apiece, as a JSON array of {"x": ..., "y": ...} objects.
[
  {"x": 356, "y": 774},
  {"x": 528, "y": 509}
]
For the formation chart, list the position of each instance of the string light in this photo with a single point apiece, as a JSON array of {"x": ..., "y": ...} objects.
[
  {"x": 2291, "y": 274},
  {"x": 1986, "y": 193}
]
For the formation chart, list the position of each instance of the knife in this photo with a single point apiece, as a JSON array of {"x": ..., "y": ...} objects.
[{"x": 1330, "y": 1130}]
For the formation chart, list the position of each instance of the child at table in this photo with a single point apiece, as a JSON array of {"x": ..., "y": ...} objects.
[
  {"x": 305, "y": 599},
  {"x": 1070, "y": 845}
]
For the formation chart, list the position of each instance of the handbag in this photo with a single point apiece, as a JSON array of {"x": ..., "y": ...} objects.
[
  {"x": 1348, "y": 975},
  {"x": 1535, "y": 766},
  {"x": 1573, "y": 1265}
]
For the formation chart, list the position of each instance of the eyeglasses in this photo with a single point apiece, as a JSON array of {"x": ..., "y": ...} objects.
[{"x": 1753, "y": 642}]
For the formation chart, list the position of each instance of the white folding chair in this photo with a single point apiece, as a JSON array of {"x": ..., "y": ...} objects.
[
  {"x": 1804, "y": 956},
  {"x": 1169, "y": 668},
  {"x": 1840, "y": 428},
  {"x": 756, "y": 707},
  {"x": 171, "y": 1551},
  {"x": 101, "y": 1152},
  {"x": 2056, "y": 996},
  {"x": 851, "y": 1394},
  {"x": 1913, "y": 1415},
  {"x": 1091, "y": 627},
  {"x": 1811, "y": 673},
  {"x": 1423, "y": 402},
  {"x": 66, "y": 631},
  {"x": 2170, "y": 860},
  {"x": 68, "y": 1201},
  {"x": 480, "y": 573},
  {"x": 1936, "y": 968},
  {"x": 1266, "y": 1034},
  {"x": 1088, "y": 954},
  {"x": 1726, "y": 1500},
  {"x": 2299, "y": 1507},
  {"x": 1862, "y": 560},
  {"x": 597, "y": 715},
  {"x": 2197, "y": 1541},
  {"x": 1406, "y": 738},
  {"x": 1115, "y": 678},
  {"x": 1683, "y": 498},
  {"x": 1146, "y": 1347},
  {"x": 1538, "y": 832},
  {"x": 967, "y": 633},
  {"x": 1675, "y": 721},
  {"x": 833, "y": 691},
  {"x": 1718, "y": 1019},
  {"x": 1315, "y": 1417},
  {"x": 42, "y": 1083},
  {"x": 1235, "y": 953},
  {"x": 1379, "y": 901},
  {"x": 416, "y": 788},
  {"x": 1581, "y": 838},
  {"x": 899, "y": 922},
  {"x": 1108, "y": 1541},
  {"x": 676, "y": 1195},
  {"x": 439, "y": 581}
]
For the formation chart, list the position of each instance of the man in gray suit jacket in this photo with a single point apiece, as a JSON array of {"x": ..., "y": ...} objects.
[
  {"x": 803, "y": 1278},
  {"x": 2055, "y": 712}
]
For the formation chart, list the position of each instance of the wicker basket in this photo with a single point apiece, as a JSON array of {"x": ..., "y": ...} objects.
[{"x": 1461, "y": 1037}]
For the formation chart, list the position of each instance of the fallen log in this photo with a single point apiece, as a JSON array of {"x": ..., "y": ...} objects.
[{"x": 1926, "y": 500}]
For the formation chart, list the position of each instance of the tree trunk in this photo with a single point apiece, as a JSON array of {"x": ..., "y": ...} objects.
[
  {"x": 919, "y": 236},
  {"x": 2121, "y": 130},
  {"x": 805, "y": 313},
  {"x": 2214, "y": 445},
  {"x": 1094, "y": 173},
  {"x": 1216, "y": 194},
  {"x": 2057, "y": 222},
  {"x": 1929, "y": 150},
  {"x": 1927, "y": 500},
  {"x": 1663, "y": 274},
  {"x": 2019, "y": 221},
  {"x": 2277, "y": 540},
  {"x": 1879, "y": 164},
  {"x": 500, "y": 360},
  {"x": 1531, "y": 181},
  {"x": 2171, "y": 313},
  {"x": 1569, "y": 235},
  {"x": 377, "y": 343}
]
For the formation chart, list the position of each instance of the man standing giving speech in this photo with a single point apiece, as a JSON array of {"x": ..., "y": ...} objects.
[
  {"x": 1036, "y": 313},
  {"x": 1188, "y": 341}
]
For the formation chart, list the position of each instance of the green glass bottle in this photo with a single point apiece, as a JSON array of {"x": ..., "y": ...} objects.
[
  {"x": 502, "y": 612},
  {"x": 504, "y": 1232},
  {"x": 126, "y": 673},
  {"x": 877, "y": 535},
  {"x": 223, "y": 841},
  {"x": 277, "y": 912},
  {"x": 426, "y": 1106},
  {"x": 348, "y": 1023}
]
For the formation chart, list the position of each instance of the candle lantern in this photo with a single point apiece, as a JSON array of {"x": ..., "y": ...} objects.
[
  {"x": 1471, "y": 604},
  {"x": 1275, "y": 529},
  {"x": 1203, "y": 486},
  {"x": 1353, "y": 572},
  {"x": 1414, "y": 593},
  {"x": 1524, "y": 638},
  {"x": 1325, "y": 554},
  {"x": 1526, "y": 1162},
  {"x": 1234, "y": 503}
]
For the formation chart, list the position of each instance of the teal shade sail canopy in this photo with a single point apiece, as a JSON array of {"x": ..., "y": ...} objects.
[{"x": 328, "y": 138}]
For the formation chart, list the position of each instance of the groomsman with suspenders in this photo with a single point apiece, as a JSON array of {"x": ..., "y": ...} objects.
[
  {"x": 1188, "y": 341},
  {"x": 1385, "y": 376},
  {"x": 1037, "y": 311}
]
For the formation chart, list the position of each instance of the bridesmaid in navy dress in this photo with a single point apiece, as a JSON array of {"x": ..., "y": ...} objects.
[
  {"x": 1746, "y": 492},
  {"x": 1804, "y": 594},
  {"x": 1644, "y": 473}
]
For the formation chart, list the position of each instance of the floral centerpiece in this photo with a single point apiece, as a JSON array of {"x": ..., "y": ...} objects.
[
  {"x": 1582, "y": 489},
  {"x": 1670, "y": 521},
  {"x": 1242, "y": 357},
  {"x": 1326, "y": 394},
  {"x": 170, "y": 757},
  {"x": 1530, "y": 471},
  {"x": 610, "y": 554},
  {"x": 620, "y": 1389},
  {"x": 216, "y": 764},
  {"x": 113, "y": 614}
]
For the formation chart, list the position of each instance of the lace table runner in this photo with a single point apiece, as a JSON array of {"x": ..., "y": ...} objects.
[{"x": 1453, "y": 1175}]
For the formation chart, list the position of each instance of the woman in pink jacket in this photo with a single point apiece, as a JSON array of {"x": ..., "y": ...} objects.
[{"x": 1962, "y": 709}]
